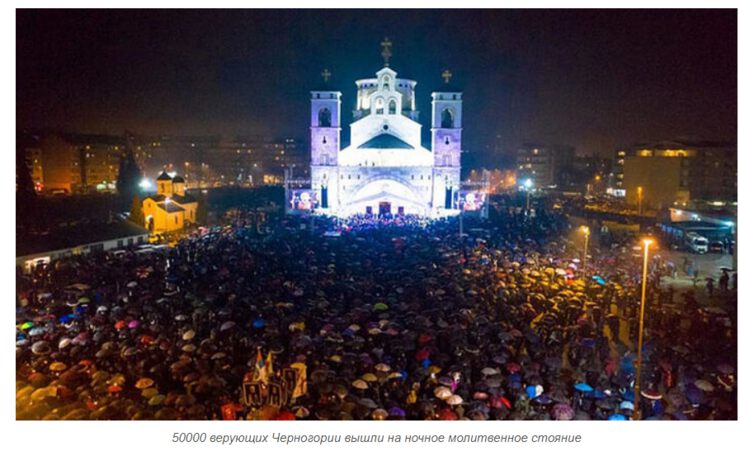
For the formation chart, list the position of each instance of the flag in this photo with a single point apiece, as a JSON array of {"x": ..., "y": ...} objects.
[
  {"x": 301, "y": 387},
  {"x": 260, "y": 369}
]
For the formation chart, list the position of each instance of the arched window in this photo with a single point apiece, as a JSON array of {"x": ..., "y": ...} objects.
[
  {"x": 386, "y": 83},
  {"x": 379, "y": 106},
  {"x": 324, "y": 118},
  {"x": 392, "y": 107},
  {"x": 448, "y": 118}
]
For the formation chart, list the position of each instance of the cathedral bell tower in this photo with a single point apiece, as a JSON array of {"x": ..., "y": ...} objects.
[
  {"x": 446, "y": 142},
  {"x": 325, "y": 140}
]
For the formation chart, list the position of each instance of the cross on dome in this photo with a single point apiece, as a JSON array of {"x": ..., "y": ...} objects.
[
  {"x": 326, "y": 75},
  {"x": 447, "y": 75},
  {"x": 386, "y": 43}
]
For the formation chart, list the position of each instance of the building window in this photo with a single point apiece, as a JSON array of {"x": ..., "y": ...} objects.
[
  {"x": 392, "y": 107},
  {"x": 379, "y": 106},
  {"x": 448, "y": 118},
  {"x": 119, "y": 243},
  {"x": 324, "y": 117},
  {"x": 447, "y": 140}
]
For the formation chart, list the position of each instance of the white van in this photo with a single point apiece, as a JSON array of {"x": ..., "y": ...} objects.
[{"x": 696, "y": 243}]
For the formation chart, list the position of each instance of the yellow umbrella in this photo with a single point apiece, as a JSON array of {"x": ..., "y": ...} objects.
[
  {"x": 144, "y": 382},
  {"x": 57, "y": 366},
  {"x": 149, "y": 393}
]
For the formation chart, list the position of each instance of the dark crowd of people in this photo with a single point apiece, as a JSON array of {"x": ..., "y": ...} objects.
[{"x": 399, "y": 318}]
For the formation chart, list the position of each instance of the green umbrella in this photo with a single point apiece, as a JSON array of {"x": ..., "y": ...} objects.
[{"x": 381, "y": 306}]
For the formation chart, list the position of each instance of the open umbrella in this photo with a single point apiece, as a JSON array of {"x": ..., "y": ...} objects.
[
  {"x": 583, "y": 387},
  {"x": 442, "y": 392},
  {"x": 144, "y": 382},
  {"x": 40, "y": 348},
  {"x": 360, "y": 384},
  {"x": 447, "y": 415},
  {"x": 704, "y": 385},
  {"x": 563, "y": 412}
]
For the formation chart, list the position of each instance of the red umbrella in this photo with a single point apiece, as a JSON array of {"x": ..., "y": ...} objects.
[
  {"x": 422, "y": 354},
  {"x": 424, "y": 339},
  {"x": 146, "y": 339},
  {"x": 120, "y": 324},
  {"x": 513, "y": 367},
  {"x": 447, "y": 415},
  {"x": 285, "y": 415},
  {"x": 113, "y": 389}
]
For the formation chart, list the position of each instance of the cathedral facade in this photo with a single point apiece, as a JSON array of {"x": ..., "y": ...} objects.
[{"x": 385, "y": 170}]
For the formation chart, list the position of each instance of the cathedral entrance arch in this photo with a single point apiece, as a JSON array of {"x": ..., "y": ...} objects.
[
  {"x": 384, "y": 208},
  {"x": 388, "y": 196}
]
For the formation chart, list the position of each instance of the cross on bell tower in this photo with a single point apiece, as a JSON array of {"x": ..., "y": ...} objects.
[
  {"x": 447, "y": 75},
  {"x": 386, "y": 44},
  {"x": 326, "y": 75}
]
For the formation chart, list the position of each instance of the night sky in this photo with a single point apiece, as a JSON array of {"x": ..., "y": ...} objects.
[{"x": 592, "y": 79}]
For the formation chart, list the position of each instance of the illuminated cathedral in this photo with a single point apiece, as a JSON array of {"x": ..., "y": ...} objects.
[{"x": 385, "y": 170}]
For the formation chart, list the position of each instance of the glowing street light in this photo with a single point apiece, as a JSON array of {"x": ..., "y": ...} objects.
[
  {"x": 639, "y": 200},
  {"x": 586, "y": 232},
  {"x": 528, "y": 183},
  {"x": 145, "y": 184},
  {"x": 636, "y": 411}
]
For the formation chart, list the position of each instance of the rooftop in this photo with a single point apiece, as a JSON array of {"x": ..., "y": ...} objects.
[
  {"x": 385, "y": 141},
  {"x": 77, "y": 235}
]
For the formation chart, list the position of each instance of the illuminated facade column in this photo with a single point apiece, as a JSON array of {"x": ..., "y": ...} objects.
[
  {"x": 446, "y": 144},
  {"x": 325, "y": 141}
]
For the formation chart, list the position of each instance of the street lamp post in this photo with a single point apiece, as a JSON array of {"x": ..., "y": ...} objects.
[
  {"x": 636, "y": 410},
  {"x": 527, "y": 186},
  {"x": 586, "y": 232},
  {"x": 639, "y": 200},
  {"x": 166, "y": 215}
]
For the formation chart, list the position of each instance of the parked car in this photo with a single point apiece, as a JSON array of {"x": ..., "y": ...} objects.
[{"x": 716, "y": 247}]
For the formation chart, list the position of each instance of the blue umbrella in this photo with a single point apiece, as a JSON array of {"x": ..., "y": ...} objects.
[
  {"x": 588, "y": 342},
  {"x": 627, "y": 405},
  {"x": 531, "y": 391},
  {"x": 597, "y": 394},
  {"x": 64, "y": 319},
  {"x": 617, "y": 417},
  {"x": 599, "y": 280},
  {"x": 583, "y": 387},
  {"x": 629, "y": 396},
  {"x": 694, "y": 394},
  {"x": 543, "y": 399},
  {"x": 36, "y": 331},
  {"x": 258, "y": 323}
]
